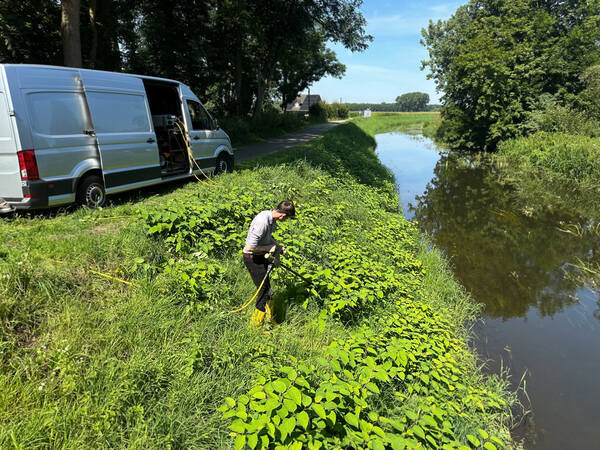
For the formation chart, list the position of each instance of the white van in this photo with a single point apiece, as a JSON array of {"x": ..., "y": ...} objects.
[{"x": 75, "y": 135}]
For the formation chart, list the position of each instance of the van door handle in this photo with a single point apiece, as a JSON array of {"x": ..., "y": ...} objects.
[
  {"x": 89, "y": 132},
  {"x": 150, "y": 140},
  {"x": 196, "y": 138}
]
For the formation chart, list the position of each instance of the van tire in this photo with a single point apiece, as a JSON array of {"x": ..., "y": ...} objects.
[
  {"x": 91, "y": 193},
  {"x": 224, "y": 164}
]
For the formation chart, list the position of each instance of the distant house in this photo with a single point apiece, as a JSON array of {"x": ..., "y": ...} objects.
[{"x": 303, "y": 102}]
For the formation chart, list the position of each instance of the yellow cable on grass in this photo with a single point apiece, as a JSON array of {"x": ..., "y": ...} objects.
[
  {"x": 92, "y": 219},
  {"x": 110, "y": 277},
  {"x": 105, "y": 275},
  {"x": 253, "y": 297}
]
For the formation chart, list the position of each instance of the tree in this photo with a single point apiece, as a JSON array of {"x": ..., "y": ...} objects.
[
  {"x": 283, "y": 24},
  {"x": 29, "y": 32},
  {"x": 412, "y": 101},
  {"x": 304, "y": 65},
  {"x": 493, "y": 58},
  {"x": 71, "y": 32},
  {"x": 238, "y": 53}
]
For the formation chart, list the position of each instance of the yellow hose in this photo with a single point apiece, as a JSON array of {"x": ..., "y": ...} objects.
[
  {"x": 253, "y": 297},
  {"x": 110, "y": 277},
  {"x": 191, "y": 156}
]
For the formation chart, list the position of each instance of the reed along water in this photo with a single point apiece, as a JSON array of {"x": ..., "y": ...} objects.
[{"x": 523, "y": 259}]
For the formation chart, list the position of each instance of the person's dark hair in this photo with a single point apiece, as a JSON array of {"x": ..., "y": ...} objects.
[{"x": 287, "y": 207}]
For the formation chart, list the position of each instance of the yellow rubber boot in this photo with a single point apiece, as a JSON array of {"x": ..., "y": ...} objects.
[
  {"x": 257, "y": 319},
  {"x": 270, "y": 310}
]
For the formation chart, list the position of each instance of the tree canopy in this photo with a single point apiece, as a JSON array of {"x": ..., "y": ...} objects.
[
  {"x": 412, "y": 101},
  {"x": 235, "y": 53},
  {"x": 493, "y": 59}
]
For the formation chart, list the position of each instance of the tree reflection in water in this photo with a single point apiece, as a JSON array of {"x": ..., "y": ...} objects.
[{"x": 507, "y": 247}]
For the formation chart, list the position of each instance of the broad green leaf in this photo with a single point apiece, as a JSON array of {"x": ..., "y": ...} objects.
[
  {"x": 378, "y": 445},
  {"x": 279, "y": 386},
  {"x": 252, "y": 440},
  {"x": 372, "y": 387},
  {"x": 418, "y": 431},
  {"x": 303, "y": 419},
  {"x": 272, "y": 403},
  {"x": 473, "y": 440},
  {"x": 238, "y": 426},
  {"x": 351, "y": 419},
  {"x": 294, "y": 393},
  {"x": 319, "y": 410},
  {"x": 240, "y": 441}
]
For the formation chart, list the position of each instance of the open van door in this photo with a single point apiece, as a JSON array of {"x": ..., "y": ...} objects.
[{"x": 122, "y": 124}]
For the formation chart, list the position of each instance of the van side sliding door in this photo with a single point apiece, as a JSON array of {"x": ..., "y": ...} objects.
[{"x": 122, "y": 124}]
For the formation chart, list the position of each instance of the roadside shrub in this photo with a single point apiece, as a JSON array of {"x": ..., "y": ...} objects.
[
  {"x": 272, "y": 122},
  {"x": 238, "y": 128},
  {"x": 327, "y": 111},
  {"x": 318, "y": 111},
  {"x": 338, "y": 111}
]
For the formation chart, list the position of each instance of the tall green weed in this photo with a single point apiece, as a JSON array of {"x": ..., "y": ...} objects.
[{"x": 575, "y": 157}]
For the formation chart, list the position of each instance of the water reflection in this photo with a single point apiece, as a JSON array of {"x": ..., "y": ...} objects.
[
  {"x": 510, "y": 260},
  {"x": 533, "y": 260}
]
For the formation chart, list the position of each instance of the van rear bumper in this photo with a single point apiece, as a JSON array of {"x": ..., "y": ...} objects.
[{"x": 35, "y": 195}]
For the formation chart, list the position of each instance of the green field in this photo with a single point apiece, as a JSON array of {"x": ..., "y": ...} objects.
[{"x": 370, "y": 353}]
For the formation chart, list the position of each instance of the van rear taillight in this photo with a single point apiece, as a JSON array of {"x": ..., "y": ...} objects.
[{"x": 28, "y": 165}]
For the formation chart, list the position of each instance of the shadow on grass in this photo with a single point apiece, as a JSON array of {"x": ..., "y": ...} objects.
[{"x": 346, "y": 149}]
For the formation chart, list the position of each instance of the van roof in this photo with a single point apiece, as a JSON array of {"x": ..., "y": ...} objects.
[{"x": 147, "y": 77}]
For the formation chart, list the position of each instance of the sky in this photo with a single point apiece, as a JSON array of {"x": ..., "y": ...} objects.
[{"x": 391, "y": 66}]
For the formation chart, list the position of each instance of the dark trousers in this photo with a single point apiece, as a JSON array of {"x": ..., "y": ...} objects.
[{"x": 257, "y": 265}]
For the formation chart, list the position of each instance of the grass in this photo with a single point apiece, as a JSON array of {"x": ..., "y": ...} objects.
[
  {"x": 570, "y": 156},
  {"x": 88, "y": 361}
]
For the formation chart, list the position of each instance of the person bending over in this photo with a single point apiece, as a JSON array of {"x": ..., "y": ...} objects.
[{"x": 259, "y": 242}]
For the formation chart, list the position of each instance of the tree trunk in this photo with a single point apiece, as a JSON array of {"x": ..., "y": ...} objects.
[
  {"x": 239, "y": 49},
  {"x": 94, "y": 43},
  {"x": 70, "y": 33},
  {"x": 260, "y": 96},
  {"x": 238, "y": 78}
]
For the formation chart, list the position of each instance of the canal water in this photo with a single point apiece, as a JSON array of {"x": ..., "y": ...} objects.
[{"x": 521, "y": 260}]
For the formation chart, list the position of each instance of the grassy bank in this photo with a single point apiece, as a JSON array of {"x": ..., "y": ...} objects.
[
  {"x": 371, "y": 352},
  {"x": 567, "y": 155}
]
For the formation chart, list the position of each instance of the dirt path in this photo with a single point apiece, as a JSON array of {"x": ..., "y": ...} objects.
[{"x": 283, "y": 142}]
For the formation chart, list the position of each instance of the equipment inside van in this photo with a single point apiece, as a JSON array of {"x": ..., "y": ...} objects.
[{"x": 71, "y": 135}]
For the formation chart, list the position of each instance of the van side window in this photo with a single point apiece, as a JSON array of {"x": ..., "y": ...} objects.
[
  {"x": 119, "y": 113},
  {"x": 58, "y": 113},
  {"x": 200, "y": 118}
]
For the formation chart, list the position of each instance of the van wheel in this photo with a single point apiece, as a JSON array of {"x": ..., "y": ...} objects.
[
  {"x": 224, "y": 164},
  {"x": 91, "y": 193}
]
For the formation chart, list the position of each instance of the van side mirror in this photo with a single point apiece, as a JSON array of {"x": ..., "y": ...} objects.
[{"x": 215, "y": 124}]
